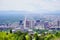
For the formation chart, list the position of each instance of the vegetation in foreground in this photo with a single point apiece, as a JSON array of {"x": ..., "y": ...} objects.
[{"x": 25, "y": 36}]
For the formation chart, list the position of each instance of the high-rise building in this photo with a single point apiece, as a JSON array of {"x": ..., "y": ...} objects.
[
  {"x": 58, "y": 25},
  {"x": 21, "y": 22},
  {"x": 46, "y": 25},
  {"x": 32, "y": 23},
  {"x": 37, "y": 22},
  {"x": 28, "y": 23}
]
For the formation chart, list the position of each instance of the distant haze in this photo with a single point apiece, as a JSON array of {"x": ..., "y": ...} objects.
[{"x": 34, "y": 6}]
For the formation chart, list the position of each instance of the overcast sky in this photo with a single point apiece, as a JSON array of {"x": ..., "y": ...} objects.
[{"x": 30, "y": 5}]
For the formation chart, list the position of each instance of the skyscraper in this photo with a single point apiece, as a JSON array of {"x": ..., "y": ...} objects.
[
  {"x": 29, "y": 23},
  {"x": 58, "y": 25},
  {"x": 21, "y": 22},
  {"x": 46, "y": 25}
]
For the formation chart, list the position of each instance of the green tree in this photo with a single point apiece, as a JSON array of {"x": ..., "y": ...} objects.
[
  {"x": 18, "y": 33},
  {"x": 36, "y": 36},
  {"x": 22, "y": 37},
  {"x": 28, "y": 37},
  {"x": 10, "y": 30}
]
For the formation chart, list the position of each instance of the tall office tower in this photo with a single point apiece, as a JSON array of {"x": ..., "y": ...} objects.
[
  {"x": 37, "y": 22},
  {"x": 32, "y": 23},
  {"x": 28, "y": 22},
  {"x": 21, "y": 24},
  {"x": 58, "y": 24},
  {"x": 25, "y": 22},
  {"x": 46, "y": 25}
]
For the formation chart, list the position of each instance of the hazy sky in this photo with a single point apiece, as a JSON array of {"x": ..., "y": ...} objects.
[{"x": 30, "y": 5}]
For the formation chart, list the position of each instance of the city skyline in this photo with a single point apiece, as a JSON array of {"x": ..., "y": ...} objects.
[{"x": 12, "y": 11}]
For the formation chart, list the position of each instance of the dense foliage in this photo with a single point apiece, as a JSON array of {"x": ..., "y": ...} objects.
[{"x": 25, "y": 36}]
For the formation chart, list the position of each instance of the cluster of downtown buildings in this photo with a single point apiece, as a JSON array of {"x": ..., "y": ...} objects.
[
  {"x": 29, "y": 24},
  {"x": 40, "y": 24}
]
